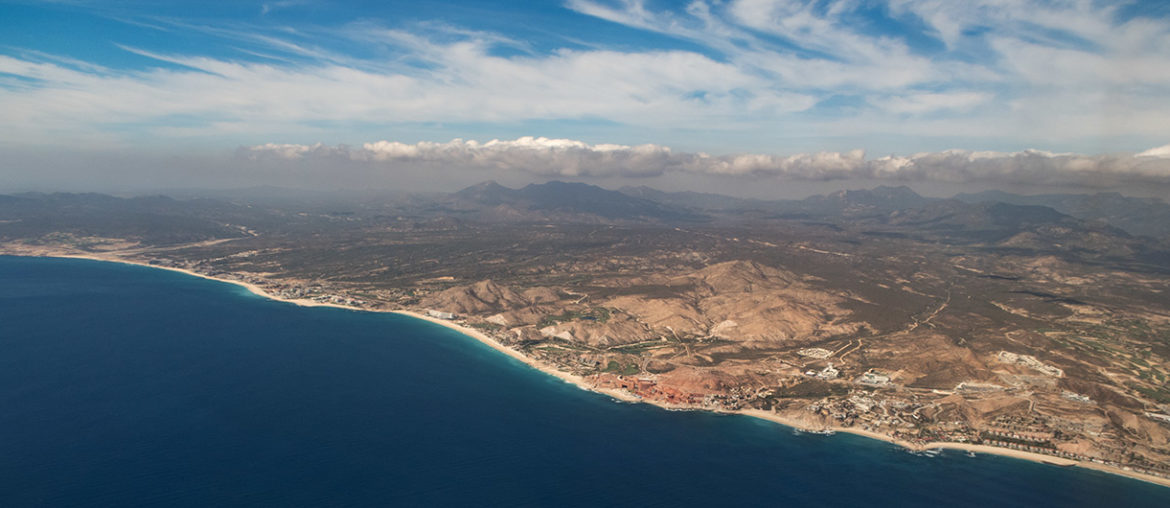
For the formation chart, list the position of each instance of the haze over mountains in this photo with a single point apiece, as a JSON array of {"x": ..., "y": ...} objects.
[
  {"x": 579, "y": 202},
  {"x": 558, "y": 198},
  {"x": 1139, "y": 216},
  {"x": 1122, "y": 231},
  {"x": 1136, "y": 216}
]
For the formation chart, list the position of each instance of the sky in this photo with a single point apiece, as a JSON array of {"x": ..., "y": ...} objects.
[{"x": 767, "y": 98}]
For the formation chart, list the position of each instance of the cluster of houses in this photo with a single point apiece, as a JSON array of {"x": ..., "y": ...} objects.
[
  {"x": 897, "y": 418},
  {"x": 1030, "y": 435},
  {"x": 648, "y": 389},
  {"x": 826, "y": 373}
]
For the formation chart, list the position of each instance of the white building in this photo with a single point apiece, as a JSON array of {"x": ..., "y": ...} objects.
[
  {"x": 829, "y": 373},
  {"x": 873, "y": 378},
  {"x": 440, "y": 314}
]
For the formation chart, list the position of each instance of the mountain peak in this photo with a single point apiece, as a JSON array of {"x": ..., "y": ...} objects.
[
  {"x": 487, "y": 193},
  {"x": 487, "y": 185},
  {"x": 562, "y": 185}
]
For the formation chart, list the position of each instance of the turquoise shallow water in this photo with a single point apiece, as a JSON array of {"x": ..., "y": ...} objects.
[{"x": 128, "y": 386}]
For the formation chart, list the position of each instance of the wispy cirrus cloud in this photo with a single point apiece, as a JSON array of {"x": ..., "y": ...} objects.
[
  {"x": 888, "y": 75},
  {"x": 1034, "y": 69},
  {"x": 461, "y": 82}
]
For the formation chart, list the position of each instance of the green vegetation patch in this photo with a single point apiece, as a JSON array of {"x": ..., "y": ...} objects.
[
  {"x": 812, "y": 388},
  {"x": 598, "y": 314},
  {"x": 640, "y": 347},
  {"x": 625, "y": 370},
  {"x": 1159, "y": 395},
  {"x": 1004, "y": 439},
  {"x": 491, "y": 327}
]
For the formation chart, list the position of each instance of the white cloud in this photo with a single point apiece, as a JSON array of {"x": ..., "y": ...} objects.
[
  {"x": 536, "y": 155},
  {"x": 572, "y": 158},
  {"x": 1045, "y": 73},
  {"x": 1160, "y": 152},
  {"x": 1054, "y": 71},
  {"x": 463, "y": 84}
]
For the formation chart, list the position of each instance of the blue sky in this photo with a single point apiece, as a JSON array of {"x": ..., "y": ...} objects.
[{"x": 801, "y": 89}]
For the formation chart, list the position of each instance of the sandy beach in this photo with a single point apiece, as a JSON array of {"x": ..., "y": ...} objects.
[
  {"x": 584, "y": 383},
  {"x": 536, "y": 364}
]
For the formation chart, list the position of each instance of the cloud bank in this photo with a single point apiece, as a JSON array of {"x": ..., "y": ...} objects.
[{"x": 577, "y": 159}]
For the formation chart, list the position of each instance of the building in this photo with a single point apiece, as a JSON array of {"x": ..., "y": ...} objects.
[
  {"x": 1158, "y": 417},
  {"x": 829, "y": 372},
  {"x": 440, "y": 314},
  {"x": 873, "y": 378}
]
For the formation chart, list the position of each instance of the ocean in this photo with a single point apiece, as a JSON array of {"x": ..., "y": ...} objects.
[{"x": 123, "y": 385}]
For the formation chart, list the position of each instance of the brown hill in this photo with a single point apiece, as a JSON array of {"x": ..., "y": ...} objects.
[
  {"x": 483, "y": 296},
  {"x": 740, "y": 300}
]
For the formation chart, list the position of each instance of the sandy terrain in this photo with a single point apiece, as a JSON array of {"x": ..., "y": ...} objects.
[{"x": 625, "y": 396}]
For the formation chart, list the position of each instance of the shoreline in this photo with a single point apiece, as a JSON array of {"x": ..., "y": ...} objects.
[{"x": 583, "y": 383}]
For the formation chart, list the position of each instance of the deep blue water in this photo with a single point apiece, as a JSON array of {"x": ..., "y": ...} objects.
[{"x": 124, "y": 385}]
